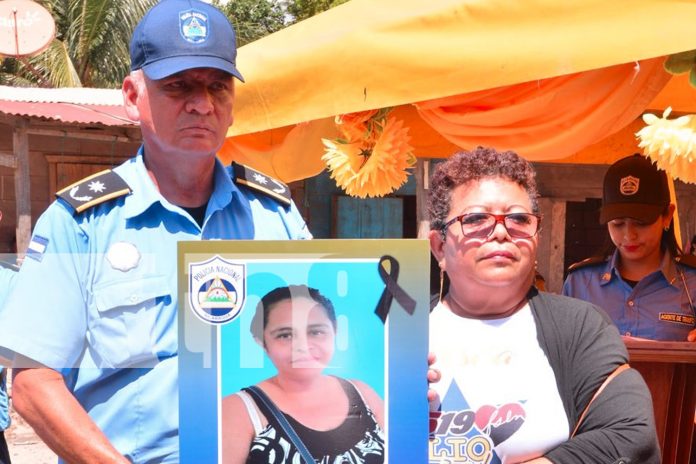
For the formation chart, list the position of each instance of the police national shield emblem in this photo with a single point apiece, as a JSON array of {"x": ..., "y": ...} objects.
[
  {"x": 193, "y": 26},
  {"x": 217, "y": 289}
]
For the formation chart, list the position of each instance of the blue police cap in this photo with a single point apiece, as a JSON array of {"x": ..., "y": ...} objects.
[{"x": 176, "y": 35}]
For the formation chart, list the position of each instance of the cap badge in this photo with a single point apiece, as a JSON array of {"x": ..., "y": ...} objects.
[
  {"x": 629, "y": 185},
  {"x": 193, "y": 26}
]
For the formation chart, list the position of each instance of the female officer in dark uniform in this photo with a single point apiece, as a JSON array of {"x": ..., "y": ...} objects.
[{"x": 643, "y": 280}]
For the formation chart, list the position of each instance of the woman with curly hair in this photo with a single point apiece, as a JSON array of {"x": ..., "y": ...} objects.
[{"x": 519, "y": 367}]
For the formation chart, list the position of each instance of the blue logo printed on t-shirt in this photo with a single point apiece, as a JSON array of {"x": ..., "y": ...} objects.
[{"x": 462, "y": 435}]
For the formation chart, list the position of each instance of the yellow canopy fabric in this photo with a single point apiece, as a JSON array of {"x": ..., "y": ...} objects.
[
  {"x": 548, "y": 119},
  {"x": 368, "y": 54}
]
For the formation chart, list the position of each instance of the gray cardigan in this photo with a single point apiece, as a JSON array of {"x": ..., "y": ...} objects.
[{"x": 583, "y": 347}]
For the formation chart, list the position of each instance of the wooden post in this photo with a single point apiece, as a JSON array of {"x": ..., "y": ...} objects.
[
  {"x": 551, "y": 249},
  {"x": 20, "y": 141},
  {"x": 422, "y": 189}
]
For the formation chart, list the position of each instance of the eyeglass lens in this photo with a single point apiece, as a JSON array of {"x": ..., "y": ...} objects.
[{"x": 481, "y": 225}]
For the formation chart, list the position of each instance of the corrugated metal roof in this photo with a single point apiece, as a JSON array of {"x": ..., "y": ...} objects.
[
  {"x": 77, "y": 95},
  {"x": 73, "y": 105}
]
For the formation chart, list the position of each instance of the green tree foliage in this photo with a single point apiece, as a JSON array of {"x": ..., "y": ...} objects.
[
  {"x": 90, "y": 48},
  {"x": 303, "y": 9},
  {"x": 92, "y": 38},
  {"x": 253, "y": 19}
]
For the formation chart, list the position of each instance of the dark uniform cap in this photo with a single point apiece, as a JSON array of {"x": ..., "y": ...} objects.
[
  {"x": 634, "y": 188},
  {"x": 176, "y": 35}
]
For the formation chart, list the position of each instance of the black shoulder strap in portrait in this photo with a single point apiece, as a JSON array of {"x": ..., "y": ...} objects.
[
  {"x": 94, "y": 190},
  {"x": 268, "y": 405}
]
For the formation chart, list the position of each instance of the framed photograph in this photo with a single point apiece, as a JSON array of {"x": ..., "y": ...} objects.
[{"x": 314, "y": 348}]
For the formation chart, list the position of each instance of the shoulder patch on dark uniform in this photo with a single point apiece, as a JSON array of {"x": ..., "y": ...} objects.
[
  {"x": 94, "y": 190},
  {"x": 260, "y": 182},
  {"x": 585, "y": 263},
  {"x": 686, "y": 260}
]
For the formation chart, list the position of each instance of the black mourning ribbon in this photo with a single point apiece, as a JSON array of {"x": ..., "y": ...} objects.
[{"x": 392, "y": 289}]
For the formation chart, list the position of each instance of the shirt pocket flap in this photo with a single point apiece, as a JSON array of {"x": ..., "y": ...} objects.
[{"x": 130, "y": 293}]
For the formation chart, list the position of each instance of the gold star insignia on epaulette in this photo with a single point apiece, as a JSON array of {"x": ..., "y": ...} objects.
[
  {"x": 260, "y": 182},
  {"x": 94, "y": 190}
]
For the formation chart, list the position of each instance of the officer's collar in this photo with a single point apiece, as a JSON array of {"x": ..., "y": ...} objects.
[
  {"x": 668, "y": 268},
  {"x": 142, "y": 185}
]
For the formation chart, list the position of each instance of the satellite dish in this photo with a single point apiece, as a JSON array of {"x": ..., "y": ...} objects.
[{"x": 26, "y": 28}]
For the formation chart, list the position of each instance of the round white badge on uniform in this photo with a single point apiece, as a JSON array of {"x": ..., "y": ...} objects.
[{"x": 123, "y": 256}]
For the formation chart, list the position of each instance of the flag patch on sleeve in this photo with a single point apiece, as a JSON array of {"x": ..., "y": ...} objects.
[{"x": 37, "y": 247}]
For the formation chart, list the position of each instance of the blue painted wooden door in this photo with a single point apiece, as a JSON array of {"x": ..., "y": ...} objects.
[{"x": 368, "y": 218}]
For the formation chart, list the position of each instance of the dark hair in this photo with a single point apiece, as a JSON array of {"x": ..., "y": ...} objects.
[
  {"x": 467, "y": 166},
  {"x": 290, "y": 292},
  {"x": 667, "y": 242}
]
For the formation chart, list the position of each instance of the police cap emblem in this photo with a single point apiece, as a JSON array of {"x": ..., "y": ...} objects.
[
  {"x": 629, "y": 185},
  {"x": 193, "y": 26}
]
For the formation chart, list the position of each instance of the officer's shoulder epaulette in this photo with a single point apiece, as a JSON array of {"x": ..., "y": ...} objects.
[
  {"x": 262, "y": 183},
  {"x": 686, "y": 260},
  {"x": 586, "y": 262},
  {"x": 94, "y": 190}
]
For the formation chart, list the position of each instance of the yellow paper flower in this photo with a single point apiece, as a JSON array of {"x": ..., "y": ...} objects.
[
  {"x": 343, "y": 160},
  {"x": 671, "y": 144},
  {"x": 374, "y": 165}
]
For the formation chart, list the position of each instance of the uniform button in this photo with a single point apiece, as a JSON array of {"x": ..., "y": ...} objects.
[
  {"x": 630, "y": 303},
  {"x": 628, "y": 334}
]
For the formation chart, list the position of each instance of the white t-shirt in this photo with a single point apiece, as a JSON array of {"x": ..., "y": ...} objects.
[{"x": 498, "y": 393}]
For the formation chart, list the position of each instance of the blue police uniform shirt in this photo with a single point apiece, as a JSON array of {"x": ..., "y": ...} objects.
[
  {"x": 657, "y": 308},
  {"x": 97, "y": 300},
  {"x": 4, "y": 402},
  {"x": 7, "y": 277}
]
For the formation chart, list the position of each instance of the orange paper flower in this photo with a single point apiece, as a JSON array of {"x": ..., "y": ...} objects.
[
  {"x": 375, "y": 158},
  {"x": 356, "y": 126},
  {"x": 671, "y": 144}
]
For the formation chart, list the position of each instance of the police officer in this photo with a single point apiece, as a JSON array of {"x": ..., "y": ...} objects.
[
  {"x": 643, "y": 280},
  {"x": 91, "y": 323}
]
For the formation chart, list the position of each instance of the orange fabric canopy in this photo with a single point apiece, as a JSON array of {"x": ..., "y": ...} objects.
[
  {"x": 547, "y": 119},
  {"x": 551, "y": 118},
  {"x": 677, "y": 94},
  {"x": 546, "y": 78}
]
